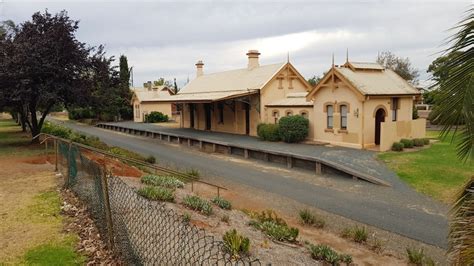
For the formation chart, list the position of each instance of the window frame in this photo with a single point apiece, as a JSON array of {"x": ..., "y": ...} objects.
[
  {"x": 329, "y": 116},
  {"x": 343, "y": 116}
]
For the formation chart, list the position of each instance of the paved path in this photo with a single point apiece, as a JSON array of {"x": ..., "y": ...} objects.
[{"x": 397, "y": 209}]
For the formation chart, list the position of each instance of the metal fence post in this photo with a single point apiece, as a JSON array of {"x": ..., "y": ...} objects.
[
  {"x": 108, "y": 213},
  {"x": 56, "y": 147},
  {"x": 68, "y": 175}
]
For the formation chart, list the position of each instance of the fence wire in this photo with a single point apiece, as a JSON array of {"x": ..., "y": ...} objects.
[{"x": 142, "y": 232}]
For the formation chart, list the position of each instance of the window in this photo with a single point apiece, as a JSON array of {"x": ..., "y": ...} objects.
[
  {"x": 343, "y": 111},
  {"x": 137, "y": 111},
  {"x": 329, "y": 111},
  {"x": 289, "y": 113},
  {"x": 304, "y": 114},
  {"x": 394, "y": 108},
  {"x": 220, "y": 107},
  {"x": 275, "y": 115}
]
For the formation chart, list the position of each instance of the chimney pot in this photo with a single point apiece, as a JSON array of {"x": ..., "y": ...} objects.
[
  {"x": 199, "y": 68},
  {"x": 253, "y": 59}
]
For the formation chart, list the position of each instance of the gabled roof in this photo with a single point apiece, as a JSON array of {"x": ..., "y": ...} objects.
[
  {"x": 292, "y": 100},
  {"x": 367, "y": 79},
  {"x": 151, "y": 95}
]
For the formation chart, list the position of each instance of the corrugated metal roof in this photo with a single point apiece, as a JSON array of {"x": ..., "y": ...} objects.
[
  {"x": 204, "y": 96},
  {"x": 145, "y": 95},
  {"x": 384, "y": 82}
]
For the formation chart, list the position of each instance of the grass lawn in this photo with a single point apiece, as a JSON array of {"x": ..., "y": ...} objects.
[
  {"x": 435, "y": 171},
  {"x": 14, "y": 142}
]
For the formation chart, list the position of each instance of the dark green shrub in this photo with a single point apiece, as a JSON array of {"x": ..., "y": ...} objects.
[
  {"x": 418, "y": 142},
  {"x": 157, "y": 193},
  {"x": 156, "y": 117},
  {"x": 268, "y": 132},
  {"x": 426, "y": 141},
  {"x": 293, "y": 128},
  {"x": 397, "y": 146},
  {"x": 407, "y": 143},
  {"x": 150, "y": 159},
  {"x": 198, "y": 204},
  {"x": 222, "y": 203},
  {"x": 163, "y": 181},
  {"x": 235, "y": 244},
  {"x": 306, "y": 217}
]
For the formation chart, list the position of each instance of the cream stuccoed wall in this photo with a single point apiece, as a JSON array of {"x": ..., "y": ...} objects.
[
  {"x": 148, "y": 107},
  {"x": 394, "y": 131},
  {"x": 352, "y": 136}
]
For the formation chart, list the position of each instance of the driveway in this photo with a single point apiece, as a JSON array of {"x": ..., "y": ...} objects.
[{"x": 397, "y": 209}]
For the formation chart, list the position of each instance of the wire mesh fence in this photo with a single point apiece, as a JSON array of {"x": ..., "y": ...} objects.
[{"x": 142, "y": 232}]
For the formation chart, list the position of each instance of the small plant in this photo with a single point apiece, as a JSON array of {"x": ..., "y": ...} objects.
[
  {"x": 186, "y": 218},
  {"x": 426, "y": 141},
  {"x": 324, "y": 253},
  {"x": 407, "y": 143},
  {"x": 163, "y": 181},
  {"x": 150, "y": 159},
  {"x": 198, "y": 204},
  {"x": 157, "y": 193},
  {"x": 279, "y": 232},
  {"x": 397, "y": 146},
  {"x": 193, "y": 173},
  {"x": 235, "y": 244},
  {"x": 269, "y": 216},
  {"x": 418, "y": 142},
  {"x": 222, "y": 203},
  {"x": 309, "y": 218},
  {"x": 156, "y": 117},
  {"x": 376, "y": 245},
  {"x": 415, "y": 256},
  {"x": 345, "y": 258},
  {"x": 346, "y": 232},
  {"x": 356, "y": 234},
  {"x": 225, "y": 219}
]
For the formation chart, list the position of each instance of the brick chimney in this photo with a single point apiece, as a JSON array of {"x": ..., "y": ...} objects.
[
  {"x": 253, "y": 59},
  {"x": 199, "y": 68}
]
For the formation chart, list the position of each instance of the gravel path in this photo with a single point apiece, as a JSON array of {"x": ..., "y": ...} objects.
[{"x": 397, "y": 209}]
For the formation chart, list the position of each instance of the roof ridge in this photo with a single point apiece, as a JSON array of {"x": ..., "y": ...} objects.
[{"x": 245, "y": 68}]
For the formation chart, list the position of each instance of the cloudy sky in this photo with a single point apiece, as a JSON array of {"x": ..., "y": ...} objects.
[{"x": 165, "y": 39}]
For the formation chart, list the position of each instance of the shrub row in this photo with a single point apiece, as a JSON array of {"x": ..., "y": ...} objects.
[
  {"x": 157, "y": 193},
  {"x": 409, "y": 143},
  {"x": 156, "y": 117},
  {"x": 198, "y": 204},
  {"x": 290, "y": 129},
  {"x": 222, "y": 203},
  {"x": 327, "y": 254},
  {"x": 163, "y": 181},
  {"x": 273, "y": 226}
]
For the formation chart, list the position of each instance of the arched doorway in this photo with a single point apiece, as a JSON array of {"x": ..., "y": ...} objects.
[{"x": 379, "y": 118}]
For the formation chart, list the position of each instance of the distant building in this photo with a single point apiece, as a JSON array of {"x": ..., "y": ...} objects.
[
  {"x": 363, "y": 105},
  {"x": 146, "y": 100}
]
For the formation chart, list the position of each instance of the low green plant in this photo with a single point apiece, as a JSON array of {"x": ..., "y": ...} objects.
[
  {"x": 279, "y": 232},
  {"x": 268, "y": 132},
  {"x": 222, "y": 203},
  {"x": 186, "y": 218},
  {"x": 198, "y": 204},
  {"x": 193, "y": 173},
  {"x": 418, "y": 142},
  {"x": 53, "y": 254},
  {"x": 235, "y": 244},
  {"x": 150, "y": 159},
  {"x": 397, "y": 146},
  {"x": 163, "y": 181},
  {"x": 156, "y": 117},
  {"x": 407, "y": 143},
  {"x": 426, "y": 141},
  {"x": 293, "y": 128},
  {"x": 56, "y": 130},
  {"x": 126, "y": 153},
  {"x": 308, "y": 218},
  {"x": 324, "y": 253},
  {"x": 415, "y": 256},
  {"x": 345, "y": 258},
  {"x": 356, "y": 234},
  {"x": 157, "y": 193},
  {"x": 268, "y": 216}
]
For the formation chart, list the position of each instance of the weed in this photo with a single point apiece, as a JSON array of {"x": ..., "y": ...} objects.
[
  {"x": 186, "y": 218},
  {"x": 376, "y": 245},
  {"x": 324, "y": 253},
  {"x": 235, "y": 244},
  {"x": 268, "y": 216},
  {"x": 222, "y": 203},
  {"x": 164, "y": 181},
  {"x": 157, "y": 193},
  {"x": 356, "y": 234},
  {"x": 150, "y": 159},
  {"x": 225, "y": 219},
  {"x": 279, "y": 232},
  {"x": 193, "y": 173},
  {"x": 309, "y": 218},
  {"x": 418, "y": 257},
  {"x": 198, "y": 204},
  {"x": 345, "y": 258}
]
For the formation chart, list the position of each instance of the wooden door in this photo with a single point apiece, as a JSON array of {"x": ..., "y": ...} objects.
[{"x": 379, "y": 118}]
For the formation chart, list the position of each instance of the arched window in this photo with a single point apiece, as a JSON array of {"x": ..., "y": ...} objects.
[
  {"x": 304, "y": 114},
  {"x": 276, "y": 115},
  {"x": 343, "y": 111},
  {"x": 289, "y": 113},
  {"x": 329, "y": 112}
]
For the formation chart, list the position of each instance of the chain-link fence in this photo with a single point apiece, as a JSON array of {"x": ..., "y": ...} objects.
[{"x": 142, "y": 232}]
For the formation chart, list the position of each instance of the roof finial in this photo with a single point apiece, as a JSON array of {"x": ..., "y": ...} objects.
[
  {"x": 288, "y": 57},
  {"x": 347, "y": 55},
  {"x": 332, "y": 60}
]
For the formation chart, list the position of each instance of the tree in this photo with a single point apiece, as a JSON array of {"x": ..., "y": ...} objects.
[
  {"x": 456, "y": 88},
  {"x": 45, "y": 65},
  {"x": 401, "y": 66},
  {"x": 125, "y": 110},
  {"x": 314, "y": 80},
  {"x": 175, "y": 87}
]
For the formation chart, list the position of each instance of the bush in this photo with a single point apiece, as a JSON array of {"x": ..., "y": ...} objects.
[
  {"x": 279, "y": 232},
  {"x": 164, "y": 181},
  {"x": 418, "y": 142},
  {"x": 293, "y": 128},
  {"x": 308, "y": 218},
  {"x": 56, "y": 130},
  {"x": 426, "y": 141},
  {"x": 222, "y": 203},
  {"x": 235, "y": 244},
  {"x": 407, "y": 143},
  {"x": 356, "y": 234},
  {"x": 150, "y": 159},
  {"x": 157, "y": 193},
  {"x": 397, "y": 146},
  {"x": 156, "y": 117},
  {"x": 198, "y": 204},
  {"x": 268, "y": 132},
  {"x": 81, "y": 113},
  {"x": 415, "y": 256},
  {"x": 324, "y": 253}
]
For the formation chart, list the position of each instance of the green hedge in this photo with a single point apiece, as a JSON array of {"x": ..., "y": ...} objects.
[
  {"x": 397, "y": 146},
  {"x": 81, "y": 113},
  {"x": 156, "y": 117},
  {"x": 268, "y": 132},
  {"x": 293, "y": 128},
  {"x": 407, "y": 143}
]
